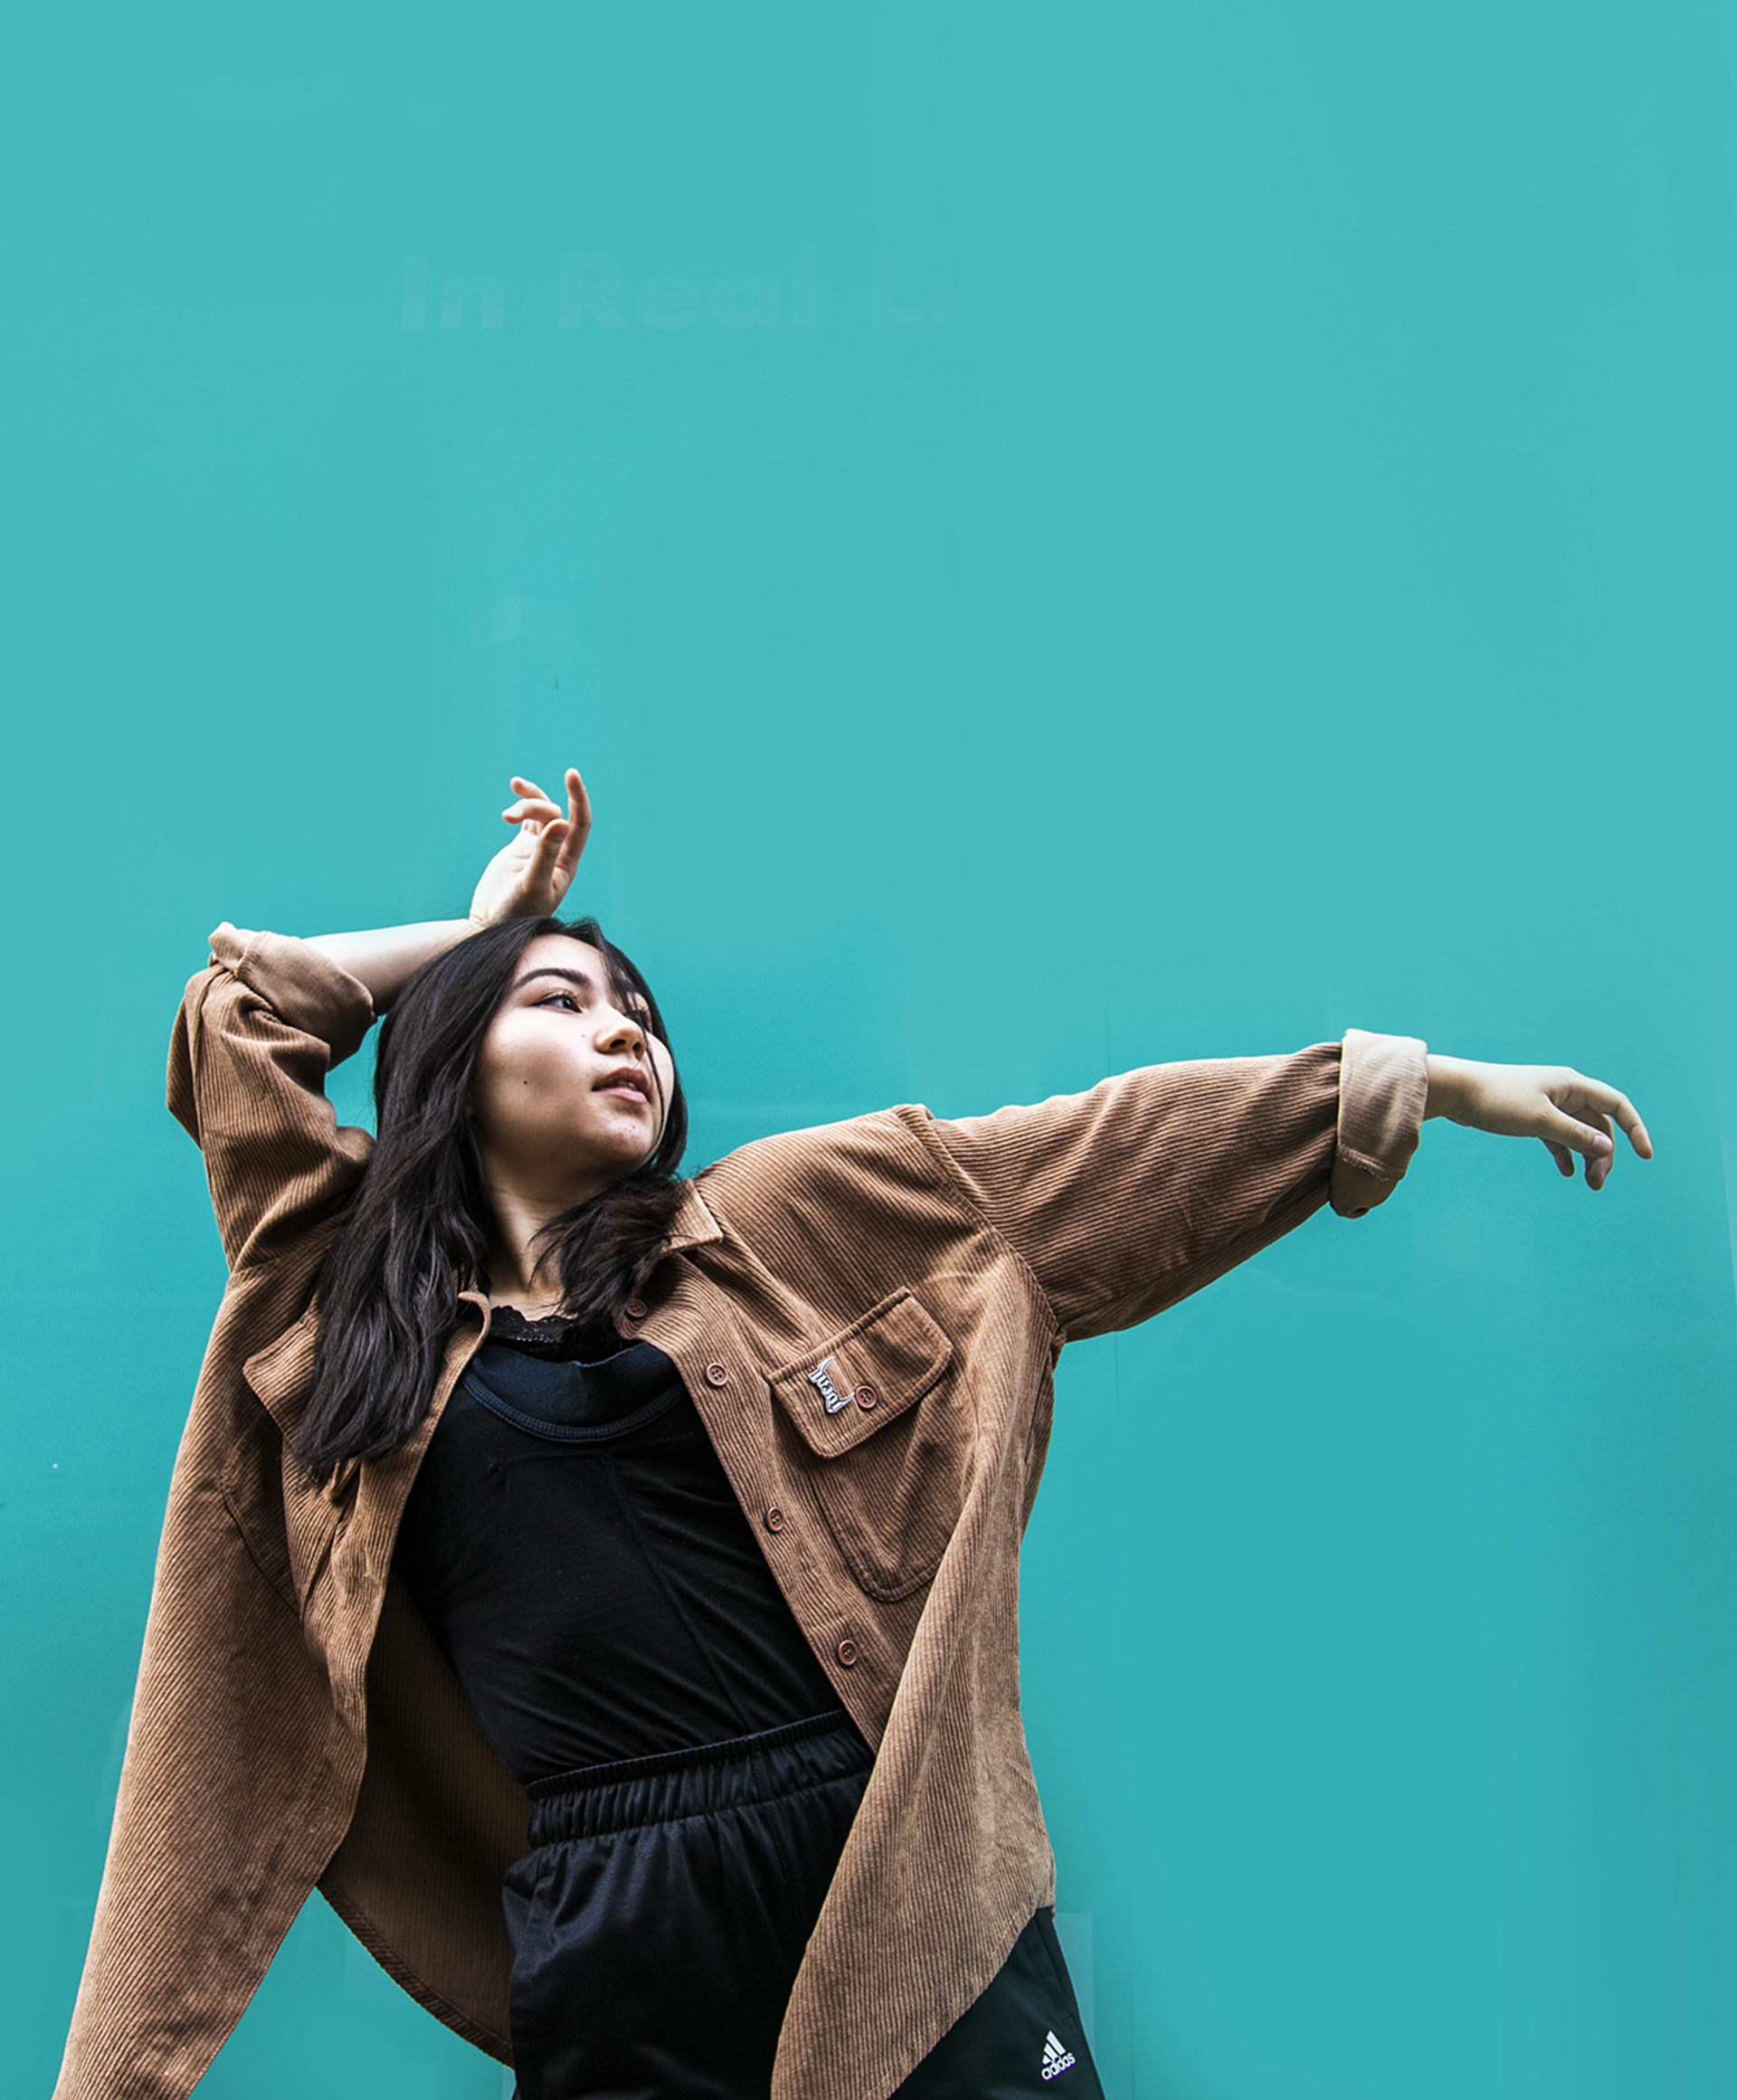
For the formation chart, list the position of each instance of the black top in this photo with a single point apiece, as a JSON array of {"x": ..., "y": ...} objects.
[{"x": 582, "y": 1561}]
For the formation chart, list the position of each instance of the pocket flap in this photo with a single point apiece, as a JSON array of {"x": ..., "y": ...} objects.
[
  {"x": 283, "y": 1373},
  {"x": 844, "y": 1389}
]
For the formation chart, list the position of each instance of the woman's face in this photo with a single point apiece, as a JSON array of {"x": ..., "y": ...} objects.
[{"x": 569, "y": 1090}]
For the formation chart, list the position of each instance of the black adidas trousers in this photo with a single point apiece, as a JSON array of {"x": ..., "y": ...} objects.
[{"x": 659, "y": 1920}]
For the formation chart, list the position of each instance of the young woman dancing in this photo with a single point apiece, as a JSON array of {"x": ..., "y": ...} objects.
[{"x": 645, "y": 1549}]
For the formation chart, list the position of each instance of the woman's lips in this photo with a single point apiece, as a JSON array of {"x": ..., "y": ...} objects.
[{"x": 629, "y": 1085}]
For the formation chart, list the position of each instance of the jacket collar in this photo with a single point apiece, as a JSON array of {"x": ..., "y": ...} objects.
[{"x": 693, "y": 1225}]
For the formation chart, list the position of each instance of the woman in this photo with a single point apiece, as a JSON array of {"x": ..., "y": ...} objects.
[{"x": 648, "y": 1547}]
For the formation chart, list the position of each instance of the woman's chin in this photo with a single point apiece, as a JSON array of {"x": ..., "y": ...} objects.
[{"x": 622, "y": 1157}]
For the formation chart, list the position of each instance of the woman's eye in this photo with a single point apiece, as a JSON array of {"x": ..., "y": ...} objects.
[{"x": 565, "y": 999}]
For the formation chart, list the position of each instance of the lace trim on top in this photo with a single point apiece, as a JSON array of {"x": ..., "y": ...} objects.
[{"x": 508, "y": 1324}]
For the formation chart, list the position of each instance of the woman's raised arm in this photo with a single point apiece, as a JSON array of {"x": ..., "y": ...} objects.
[
  {"x": 261, "y": 1028},
  {"x": 527, "y": 878}
]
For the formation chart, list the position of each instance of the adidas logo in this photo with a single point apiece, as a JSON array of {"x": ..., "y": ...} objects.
[{"x": 1056, "y": 2058}]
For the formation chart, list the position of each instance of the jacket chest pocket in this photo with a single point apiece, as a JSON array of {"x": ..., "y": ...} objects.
[{"x": 886, "y": 1439}]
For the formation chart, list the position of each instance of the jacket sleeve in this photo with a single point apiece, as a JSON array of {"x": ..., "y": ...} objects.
[
  {"x": 257, "y": 1033},
  {"x": 1123, "y": 1200}
]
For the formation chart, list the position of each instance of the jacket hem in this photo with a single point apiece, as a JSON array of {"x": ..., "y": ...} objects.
[{"x": 407, "y": 1980}]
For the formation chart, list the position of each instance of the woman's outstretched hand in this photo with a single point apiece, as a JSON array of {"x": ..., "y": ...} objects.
[
  {"x": 1568, "y": 1112},
  {"x": 529, "y": 875}
]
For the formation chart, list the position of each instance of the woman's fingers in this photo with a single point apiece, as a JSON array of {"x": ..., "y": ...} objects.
[
  {"x": 578, "y": 807},
  {"x": 1622, "y": 1110},
  {"x": 536, "y": 808},
  {"x": 1567, "y": 1135},
  {"x": 578, "y": 830},
  {"x": 1577, "y": 1135},
  {"x": 549, "y": 843},
  {"x": 1591, "y": 1105},
  {"x": 545, "y": 855},
  {"x": 1599, "y": 1161}
]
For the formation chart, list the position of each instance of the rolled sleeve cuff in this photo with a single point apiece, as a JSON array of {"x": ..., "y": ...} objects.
[
  {"x": 1383, "y": 1087},
  {"x": 299, "y": 985}
]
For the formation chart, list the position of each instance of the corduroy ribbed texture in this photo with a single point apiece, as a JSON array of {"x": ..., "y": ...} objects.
[{"x": 296, "y": 1725}]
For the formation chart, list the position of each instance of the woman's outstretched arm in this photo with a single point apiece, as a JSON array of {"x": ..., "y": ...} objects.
[
  {"x": 1125, "y": 1199},
  {"x": 528, "y": 877}
]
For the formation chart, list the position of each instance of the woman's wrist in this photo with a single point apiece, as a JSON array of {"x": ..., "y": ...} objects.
[
  {"x": 1452, "y": 1082},
  {"x": 386, "y": 958}
]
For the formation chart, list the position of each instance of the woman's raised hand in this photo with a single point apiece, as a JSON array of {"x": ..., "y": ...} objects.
[
  {"x": 529, "y": 875},
  {"x": 1564, "y": 1109}
]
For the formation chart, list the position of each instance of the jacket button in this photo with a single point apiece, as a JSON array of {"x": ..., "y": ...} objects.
[
  {"x": 867, "y": 1396},
  {"x": 775, "y": 1520},
  {"x": 847, "y": 1652},
  {"x": 634, "y": 1308},
  {"x": 716, "y": 1374}
]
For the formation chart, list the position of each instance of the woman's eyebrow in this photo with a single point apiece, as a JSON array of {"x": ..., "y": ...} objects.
[{"x": 576, "y": 977}]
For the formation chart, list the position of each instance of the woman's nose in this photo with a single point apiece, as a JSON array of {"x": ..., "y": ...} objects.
[{"x": 622, "y": 1033}]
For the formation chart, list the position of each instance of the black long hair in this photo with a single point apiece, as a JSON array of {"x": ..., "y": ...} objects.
[{"x": 420, "y": 1228}]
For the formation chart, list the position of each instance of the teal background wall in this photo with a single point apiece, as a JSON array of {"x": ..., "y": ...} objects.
[{"x": 1060, "y": 540}]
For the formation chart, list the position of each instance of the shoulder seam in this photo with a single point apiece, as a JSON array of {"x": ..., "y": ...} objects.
[{"x": 921, "y": 1124}]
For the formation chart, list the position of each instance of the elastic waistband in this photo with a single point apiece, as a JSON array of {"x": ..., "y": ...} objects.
[{"x": 732, "y": 1774}]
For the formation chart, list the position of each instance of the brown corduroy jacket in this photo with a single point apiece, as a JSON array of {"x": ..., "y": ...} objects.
[{"x": 295, "y": 1725}]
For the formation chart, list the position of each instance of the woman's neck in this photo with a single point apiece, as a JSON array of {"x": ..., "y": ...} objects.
[
  {"x": 537, "y": 1293},
  {"x": 524, "y": 1269}
]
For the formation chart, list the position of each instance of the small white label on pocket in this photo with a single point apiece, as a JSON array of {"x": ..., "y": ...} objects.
[{"x": 834, "y": 1401}]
